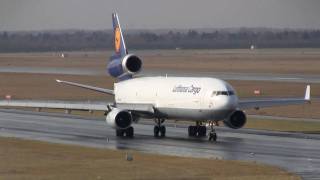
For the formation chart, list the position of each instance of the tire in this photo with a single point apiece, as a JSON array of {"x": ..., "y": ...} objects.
[
  {"x": 130, "y": 132},
  {"x": 162, "y": 131},
  {"x": 202, "y": 131},
  {"x": 156, "y": 131},
  {"x": 119, "y": 132},
  {"x": 215, "y": 137},
  {"x": 192, "y": 131}
]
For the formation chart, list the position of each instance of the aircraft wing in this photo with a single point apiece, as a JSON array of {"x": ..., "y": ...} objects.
[
  {"x": 78, "y": 105},
  {"x": 260, "y": 103},
  {"x": 93, "y": 88},
  {"x": 70, "y": 105}
]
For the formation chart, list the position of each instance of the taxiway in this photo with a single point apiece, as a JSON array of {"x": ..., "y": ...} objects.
[{"x": 295, "y": 152}]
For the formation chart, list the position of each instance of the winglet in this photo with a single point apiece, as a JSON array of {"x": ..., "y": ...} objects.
[{"x": 307, "y": 94}]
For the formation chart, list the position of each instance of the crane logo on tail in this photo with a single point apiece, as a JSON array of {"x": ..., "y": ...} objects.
[{"x": 117, "y": 40}]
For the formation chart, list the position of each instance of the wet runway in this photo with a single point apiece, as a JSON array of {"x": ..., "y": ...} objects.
[
  {"x": 297, "y": 78},
  {"x": 298, "y": 153}
]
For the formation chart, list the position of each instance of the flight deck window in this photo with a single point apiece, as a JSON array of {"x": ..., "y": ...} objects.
[{"x": 224, "y": 93}]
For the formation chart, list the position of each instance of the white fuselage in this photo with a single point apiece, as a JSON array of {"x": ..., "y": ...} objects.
[{"x": 180, "y": 97}]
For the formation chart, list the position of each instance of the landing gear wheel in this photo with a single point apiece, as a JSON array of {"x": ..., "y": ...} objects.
[
  {"x": 197, "y": 131},
  {"x": 202, "y": 131},
  {"x": 192, "y": 131},
  {"x": 129, "y": 132},
  {"x": 156, "y": 131},
  {"x": 212, "y": 136},
  {"x": 159, "y": 129},
  {"x": 119, "y": 132},
  {"x": 162, "y": 131}
]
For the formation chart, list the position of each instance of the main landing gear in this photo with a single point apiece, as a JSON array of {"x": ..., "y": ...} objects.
[
  {"x": 159, "y": 130},
  {"x": 129, "y": 132},
  {"x": 198, "y": 130}
]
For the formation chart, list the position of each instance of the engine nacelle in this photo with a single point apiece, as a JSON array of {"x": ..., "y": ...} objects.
[
  {"x": 236, "y": 120},
  {"x": 119, "y": 119},
  {"x": 129, "y": 64}
]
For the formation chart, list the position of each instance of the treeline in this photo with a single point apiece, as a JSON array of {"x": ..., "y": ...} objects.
[{"x": 191, "y": 39}]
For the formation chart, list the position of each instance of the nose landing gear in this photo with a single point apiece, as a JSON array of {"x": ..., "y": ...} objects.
[{"x": 212, "y": 134}]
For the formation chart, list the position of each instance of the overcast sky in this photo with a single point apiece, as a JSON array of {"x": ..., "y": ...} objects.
[{"x": 155, "y": 14}]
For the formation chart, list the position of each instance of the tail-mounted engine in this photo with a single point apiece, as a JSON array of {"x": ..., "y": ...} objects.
[
  {"x": 128, "y": 65},
  {"x": 236, "y": 120},
  {"x": 119, "y": 119}
]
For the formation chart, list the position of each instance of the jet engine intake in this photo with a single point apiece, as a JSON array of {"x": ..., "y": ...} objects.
[
  {"x": 132, "y": 64},
  {"x": 236, "y": 120},
  {"x": 129, "y": 64},
  {"x": 119, "y": 119}
]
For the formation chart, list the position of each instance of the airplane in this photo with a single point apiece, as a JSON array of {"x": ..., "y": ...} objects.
[{"x": 201, "y": 100}]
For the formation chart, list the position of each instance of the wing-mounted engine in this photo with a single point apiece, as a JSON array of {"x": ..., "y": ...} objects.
[
  {"x": 119, "y": 119},
  {"x": 127, "y": 66},
  {"x": 236, "y": 120}
]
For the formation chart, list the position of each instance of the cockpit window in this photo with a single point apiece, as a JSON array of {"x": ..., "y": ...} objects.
[{"x": 224, "y": 93}]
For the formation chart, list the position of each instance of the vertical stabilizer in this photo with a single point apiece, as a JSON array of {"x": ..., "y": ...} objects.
[
  {"x": 121, "y": 64},
  {"x": 119, "y": 44}
]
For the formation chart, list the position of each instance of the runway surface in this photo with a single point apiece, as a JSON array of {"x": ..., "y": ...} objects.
[
  {"x": 295, "y": 152},
  {"x": 297, "y": 78}
]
